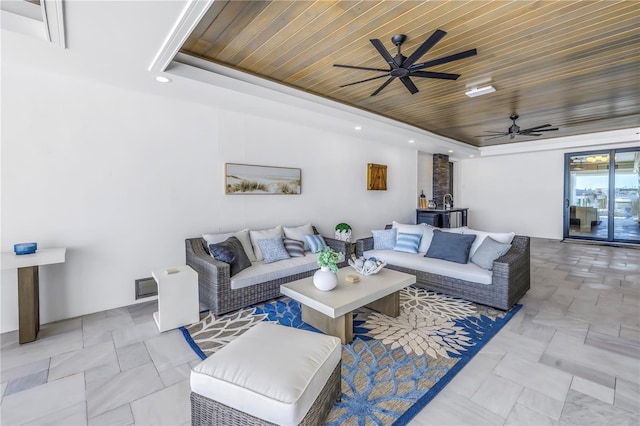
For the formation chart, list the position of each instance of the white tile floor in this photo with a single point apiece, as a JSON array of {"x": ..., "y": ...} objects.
[{"x": 570, "y": 356}]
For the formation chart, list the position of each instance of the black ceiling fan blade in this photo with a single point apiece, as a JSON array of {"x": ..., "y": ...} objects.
[
  {"x": 495, "y": 132},
  {"x": 362, "y": 81},
  {"x": 385, "y": 84},
  {"x": 445, "y": 59},
  {"x": 539, "y": 127},
  {"x": 533, "y": 129},
  {"x": 530, "y": 134},
  {"x": 496, "y": 137},
  {"x": 429, "y": 74},
  {"x": 359, "y": 68},
  {"x": 409, "y": 85},
  {"x": 424, "y": 48},
  {"x": 384, "y": 52}
]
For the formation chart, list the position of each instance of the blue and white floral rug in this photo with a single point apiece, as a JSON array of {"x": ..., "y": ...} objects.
[{"x": 394, "y": 366}]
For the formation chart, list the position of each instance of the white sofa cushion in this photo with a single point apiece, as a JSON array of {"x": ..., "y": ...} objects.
[
  {"x": 413, "y": 229},
  {"x": 298, "y": 233},
  {"x": 242, "y": 236},
  {"x": 501, "y": 237},
  {"x": 261, "y": 235},
  {"x": 260, "y": 272},
  {"x": 271, "y": 372},
  {"x": 467, "y": 272}
]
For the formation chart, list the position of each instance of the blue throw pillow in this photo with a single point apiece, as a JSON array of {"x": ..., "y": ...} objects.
[
  {"x": 489, "y": 251},
  {"x": 295, "y": 248},
  {"x": 450, "y": 246},
  {"x": 315, "y": 242},
  {"x": 273, "y": 249},
  {"x": 384, "y": 239},
  {"x": 231, "y": 251},
  {"x": 407, "y": 243}
]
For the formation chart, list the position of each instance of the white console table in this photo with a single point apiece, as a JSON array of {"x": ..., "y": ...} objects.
[
  {"x": 178, "y": 302},
  {"x": 28, "y": 287}
]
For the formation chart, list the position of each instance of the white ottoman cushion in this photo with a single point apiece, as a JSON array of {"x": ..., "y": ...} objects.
[{"x": 271, "y": 372}]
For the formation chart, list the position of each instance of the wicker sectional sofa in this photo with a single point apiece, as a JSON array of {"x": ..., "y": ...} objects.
[
  {"x": 500, "y": 288},
  {"x": 216, "y": 287}
]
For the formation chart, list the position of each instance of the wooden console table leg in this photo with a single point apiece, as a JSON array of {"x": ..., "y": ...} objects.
[{"x": 28, "y": 304}]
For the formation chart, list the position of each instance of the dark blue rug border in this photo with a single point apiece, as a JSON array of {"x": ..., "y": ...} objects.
[{"x": 435, "y": 389}]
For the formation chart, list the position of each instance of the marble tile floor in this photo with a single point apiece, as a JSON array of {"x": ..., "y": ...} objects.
[{"x": 571, "y": 356}]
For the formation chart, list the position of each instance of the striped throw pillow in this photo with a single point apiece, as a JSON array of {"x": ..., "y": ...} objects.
[
  {"x": 295, "y": 248},
  {"x": 315, "y": 242},
  {"x": 407, "y": 243}
]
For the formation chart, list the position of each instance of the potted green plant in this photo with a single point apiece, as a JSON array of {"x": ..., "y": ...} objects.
[
  {"x": 343, "y": 232},
  {"x": 325, "y": 278}
]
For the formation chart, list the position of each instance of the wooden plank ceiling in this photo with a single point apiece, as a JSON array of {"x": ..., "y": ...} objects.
[{"x": 571, "y": 64}]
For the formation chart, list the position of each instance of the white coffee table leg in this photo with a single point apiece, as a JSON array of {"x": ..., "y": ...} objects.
[
  {"x": 388, "y": 305},
  {"x": 341, "y": 326}
]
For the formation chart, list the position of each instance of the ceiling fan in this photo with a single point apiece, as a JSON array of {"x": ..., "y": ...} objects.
[
  {"x": 514, "y": 130},
  {"x": 403, "y": 67}
]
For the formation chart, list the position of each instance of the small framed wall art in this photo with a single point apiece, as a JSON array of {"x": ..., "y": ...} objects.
[
  {"x": 261, "y": 180},
  {"x": 376, "y": 177}
]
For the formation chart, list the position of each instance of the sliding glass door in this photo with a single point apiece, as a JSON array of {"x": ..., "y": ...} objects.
[{"x": 601, "y": 195}]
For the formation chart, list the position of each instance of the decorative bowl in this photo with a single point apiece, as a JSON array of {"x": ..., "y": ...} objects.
[
  {"x": 367, "y": 266},
  {"x": 25, "y": 248}
]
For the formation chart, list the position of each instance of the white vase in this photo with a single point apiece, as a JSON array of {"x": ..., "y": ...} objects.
[{"x": 324, "y": 279}]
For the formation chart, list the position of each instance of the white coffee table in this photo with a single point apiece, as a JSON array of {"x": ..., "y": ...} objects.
[{"x": 331, "y": 311}]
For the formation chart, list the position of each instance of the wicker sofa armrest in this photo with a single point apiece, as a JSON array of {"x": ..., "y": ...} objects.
[
  {"x": 513, "y": 269},
  {"x": 362, "y": 245},
  {"x": 340, "y": 246},
  {"x": 213, "y": 274}
]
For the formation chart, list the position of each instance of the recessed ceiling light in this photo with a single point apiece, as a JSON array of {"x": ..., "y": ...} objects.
[
  {"x": 411, "y": 141},
  {"x": 450, "y": 151},
  {"x": 163, "y": 79},
  {"x": 471, "y": 156},
  {"x": 479, "y": 91},
  {"x": 358, "y": 127}
]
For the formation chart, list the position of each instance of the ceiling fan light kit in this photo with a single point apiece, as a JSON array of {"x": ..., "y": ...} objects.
[
  {"x": 479, "y": 91},
  {"x": 403, "y": 67}
]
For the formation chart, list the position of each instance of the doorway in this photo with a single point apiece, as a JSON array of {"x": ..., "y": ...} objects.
[{"x": 601, "y": 195}]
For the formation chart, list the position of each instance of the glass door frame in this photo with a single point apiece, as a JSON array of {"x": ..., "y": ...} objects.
[{"x": 610, "y": 199}]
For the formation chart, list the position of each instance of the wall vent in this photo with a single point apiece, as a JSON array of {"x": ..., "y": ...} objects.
[{"x": 146, "y": 287}]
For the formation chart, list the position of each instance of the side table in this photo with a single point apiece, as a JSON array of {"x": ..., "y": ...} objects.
[
  {"x": 29, "y": 287},
  {"x": 178, "y": 302}
]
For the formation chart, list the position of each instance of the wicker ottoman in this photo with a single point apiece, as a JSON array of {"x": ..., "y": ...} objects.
[{"x": 272, "y": 374}]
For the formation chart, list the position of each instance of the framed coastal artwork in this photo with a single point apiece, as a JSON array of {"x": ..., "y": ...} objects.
[{"x": 261, "y": 180}]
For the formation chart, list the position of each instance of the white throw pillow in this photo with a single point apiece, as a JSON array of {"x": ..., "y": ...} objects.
[
  {"x": 421, "y": 228},
  {"x": 501, "y": 237},
  {"x": 298, "y": 233},
  {"x": 261, "y": 235},
  {"x": 242, "y": 236}
]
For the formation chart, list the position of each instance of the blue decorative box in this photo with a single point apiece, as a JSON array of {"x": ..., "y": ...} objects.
[{"x": 25, "y": 248}]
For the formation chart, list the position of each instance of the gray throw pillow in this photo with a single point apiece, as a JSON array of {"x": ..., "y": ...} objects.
[
  {"x": 295, "y": 248},
  {"x": 230, "y": 251},
  {"x": 489, "y": 251},
  {"x": 384, "y": 239},
  {"x": 450, "y": 246},
  {"x": 273, "y": 249}
]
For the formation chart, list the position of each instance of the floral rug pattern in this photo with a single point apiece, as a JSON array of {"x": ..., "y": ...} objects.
[{"x": 394, "y": 366}]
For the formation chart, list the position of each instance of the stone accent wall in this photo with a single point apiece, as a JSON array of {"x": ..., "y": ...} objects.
[{"x": 440, "y": 178}]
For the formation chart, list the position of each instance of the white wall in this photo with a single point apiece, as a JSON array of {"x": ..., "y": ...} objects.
[
  {"x": 121, "y": 178},
  {"x": 522, "y": 193}
]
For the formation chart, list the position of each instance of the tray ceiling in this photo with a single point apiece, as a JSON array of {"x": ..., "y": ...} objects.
[{"x": 572, "y": 64}]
